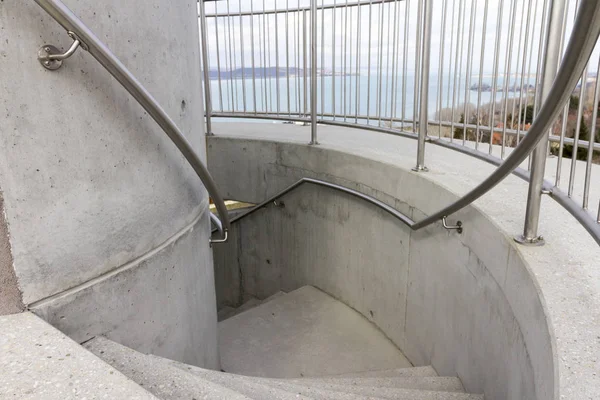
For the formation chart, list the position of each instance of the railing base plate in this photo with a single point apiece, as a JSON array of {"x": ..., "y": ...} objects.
[{"x": 538, "y": 241}]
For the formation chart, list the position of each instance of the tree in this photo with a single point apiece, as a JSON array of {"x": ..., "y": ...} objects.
[
  {"x": 584, "y": 135},
  {"x": 574, "y": 103},
  {"x": 527, "y": 115},
  {"x": 458, "y": 131}
]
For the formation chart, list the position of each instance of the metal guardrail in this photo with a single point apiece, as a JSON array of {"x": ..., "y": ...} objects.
[
  {"x": 90, "y": 42},
  {"x": 271, "y": 79}
]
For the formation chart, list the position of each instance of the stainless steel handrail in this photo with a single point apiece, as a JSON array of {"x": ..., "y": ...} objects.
[
  {"x": 68, "y": 20},
  {"x": 390, "y": 210},
  {"x": 554, "y": 192}
]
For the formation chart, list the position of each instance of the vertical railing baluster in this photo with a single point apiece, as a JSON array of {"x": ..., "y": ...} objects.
[
  {"x": 207, "y": 96},
  {"x": 591, "y": 142},
  {"x": 497, "y": 40},
  {"x": 424, "y": 90},
  {"x": 313, "y": 72},
  {"x": 405, "y": 57},
  {"x": 416, "y": 88},
  {"x": 242, "y": 51},
  {"x": 552, "y": 56},
  {"x": 253, "y": 58},
  {"x": 322, "y": 58},
  {"x": 287, "y": 55},
  {"x": 218, "y": 62},
  {"x": 507, "y": 68},
  {"x": 481, "y": 59},
  {"x": 358, "y": 36},
  {"x": 440, "y": 93}
]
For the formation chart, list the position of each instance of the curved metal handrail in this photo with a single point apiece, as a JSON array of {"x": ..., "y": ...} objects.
[
  {"x": 90, "y": 42},
  {"x": 390, "y": 210}
]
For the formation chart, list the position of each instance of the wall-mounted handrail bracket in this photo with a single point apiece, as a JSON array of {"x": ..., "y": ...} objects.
[
  {"x": 51, "y": 57},
  {"x": 223, "y": 240},
  {"x": 458, "y": 227}
]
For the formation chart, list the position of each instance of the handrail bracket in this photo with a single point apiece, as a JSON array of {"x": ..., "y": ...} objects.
[
  {"x": 458, "y": 227},
  {"x": 223, "y": 240},
  {"x": 51, "y": 57}
]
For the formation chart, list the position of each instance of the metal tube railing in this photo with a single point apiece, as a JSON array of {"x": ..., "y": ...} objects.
[
  {"x": 424, "y": 96},
  {"x": 538, "y": 159},
  {"x": 575, "y": 60},
  {"x": 90, "y": 42},
  {"x": 204, "y": 49},
  {"x": 313, "y": 73},
  {"x": 500, "y": 125}
]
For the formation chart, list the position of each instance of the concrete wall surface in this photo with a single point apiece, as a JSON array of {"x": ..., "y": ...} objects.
[
  {"x": 466, "y": 304},
  {"x": 90, "y": 182},
  {"x": 10, "y": 295}
]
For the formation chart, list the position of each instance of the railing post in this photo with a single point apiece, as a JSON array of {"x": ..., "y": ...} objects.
[
  {"x": 551, "y": 59},
  {"x": 204, "y": 45},
  {"x": 313, "y": 72},
  {"x": 424, "y": 89}
]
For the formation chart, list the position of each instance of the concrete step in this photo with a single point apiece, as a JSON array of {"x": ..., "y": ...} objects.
[
  {"x": 261, "y": 388},
  {"x": 444, "y": 384},
  {"x": 37, "y": 361},
  {"x": 224, "y": 313},
  {"x": 385, "y": 373},
  {"x": 228, "y": 312},
  {"x": 304, "y": 333},
  {"x": 379, "y": 393},
  {"x": 159, "y": 378},
  {"x": 251, "y": 303},
  {"x": 273, "y": 297},
  {"x": 256, "y": 387}
]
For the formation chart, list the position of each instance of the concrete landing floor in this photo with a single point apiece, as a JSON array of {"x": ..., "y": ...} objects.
[{"x": 304, "y": 333}]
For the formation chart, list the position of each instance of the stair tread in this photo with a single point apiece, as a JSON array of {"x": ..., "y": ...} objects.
[
  {"x": 333, "y": 392},
  {"x": 228, "y": 312},
  {"x": 225, "y": 312},
  {"x": 384, "y": 373},
  {"x": 253, "y": 302},
  {"x": 443, "y": 383},
  {"x": 159, "y": 378},
  {"x": 259, "y": 388},
  {"x": 304, "y": 333}
]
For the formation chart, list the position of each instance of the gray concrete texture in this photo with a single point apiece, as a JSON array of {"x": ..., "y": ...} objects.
[
  {"x": 90, "y": 181},
  {"x": 39, "y": 362},
  {"x": 468, "y": 304},
  {"x": 10, "y": 296},
  {"x": 108, "y": 222},
  {"x": 157, "y": 375},
  {"x": 162, "y": 304},
  {"x": 304, "y": 333},
  {"x": 170, "y": 379}
]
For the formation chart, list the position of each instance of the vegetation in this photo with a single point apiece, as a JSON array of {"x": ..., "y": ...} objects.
[
  {"x": 574, "y": 103},
  {"x": 584, "y": 135}
]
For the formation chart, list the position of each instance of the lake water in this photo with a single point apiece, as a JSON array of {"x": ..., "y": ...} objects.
[{"x": 379, "y": 96}]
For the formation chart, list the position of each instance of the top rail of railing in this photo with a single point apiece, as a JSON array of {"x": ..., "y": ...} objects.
[
  {"x": 298, "y": 8},
  {"x": 65, "y": 17}
]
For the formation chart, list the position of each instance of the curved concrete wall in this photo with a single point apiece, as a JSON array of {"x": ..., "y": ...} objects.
[
  {"x": 91, "y": 183},
  {"x": 467, "y": 304}
]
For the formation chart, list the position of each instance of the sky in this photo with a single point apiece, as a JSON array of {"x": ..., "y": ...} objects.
[{"x": 388, "y": 27}]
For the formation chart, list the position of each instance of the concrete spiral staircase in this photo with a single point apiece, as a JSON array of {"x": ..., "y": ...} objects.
[{"x": 299, "y": 345}]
